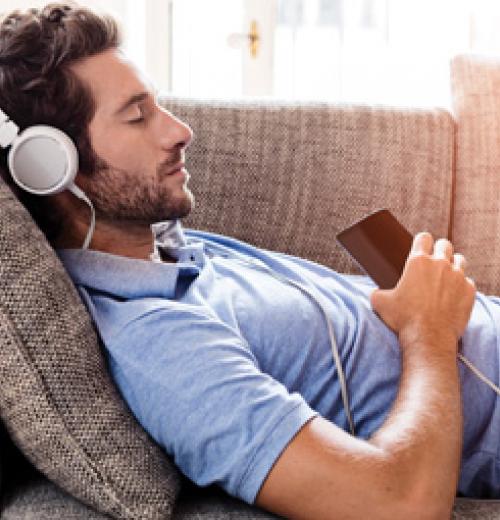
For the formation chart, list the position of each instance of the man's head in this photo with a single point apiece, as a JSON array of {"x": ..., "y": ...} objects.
[
  {"x": 140, "y": 146},
  {"x": 62, "y": 66}
]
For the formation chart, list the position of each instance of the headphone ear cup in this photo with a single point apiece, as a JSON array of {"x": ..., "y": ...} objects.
[{"x": 43, "y": 160}]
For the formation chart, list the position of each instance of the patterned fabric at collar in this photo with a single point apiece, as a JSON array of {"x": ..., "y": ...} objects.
[
  {"x": 169, "y": 239},
  {"x": 133, "y": 278}
]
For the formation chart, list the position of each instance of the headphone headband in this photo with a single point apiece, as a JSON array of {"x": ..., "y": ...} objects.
[{"x": 8, "y": 130}]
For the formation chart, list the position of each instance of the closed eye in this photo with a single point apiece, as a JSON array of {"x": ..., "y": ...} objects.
[
  {"x": 145, "y": 108},
  {"x": 136, "y": 121},
  {"x": 140, "y": 115}
]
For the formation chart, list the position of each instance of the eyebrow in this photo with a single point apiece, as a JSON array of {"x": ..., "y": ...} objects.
[{"x": 136, "y": 98}]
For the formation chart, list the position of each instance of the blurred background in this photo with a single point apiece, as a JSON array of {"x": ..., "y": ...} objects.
[{"x": 392, "y": 52}]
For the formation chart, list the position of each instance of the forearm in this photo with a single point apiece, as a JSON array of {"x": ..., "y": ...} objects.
[
  {"x": 423, "y": 432},
  {"x": 409, "y": 467}
]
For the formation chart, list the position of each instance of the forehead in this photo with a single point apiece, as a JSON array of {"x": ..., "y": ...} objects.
[{"x": 112, "y": 79}]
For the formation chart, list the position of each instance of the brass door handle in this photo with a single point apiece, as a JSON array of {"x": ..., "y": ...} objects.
[
  {"x": 254, "y": 39},
  {"x": 236, "y": 40}
]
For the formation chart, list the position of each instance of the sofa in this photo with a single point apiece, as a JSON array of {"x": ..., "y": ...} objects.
[{"x": 282, "y": 175}]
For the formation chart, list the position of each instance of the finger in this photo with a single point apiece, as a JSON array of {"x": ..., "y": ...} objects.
[
  {"x": 459, "y": 262},
  {"x": 422, "y": 244},
  {"x": 471, "y": 281},
  {"x": 443, "y": 249}
]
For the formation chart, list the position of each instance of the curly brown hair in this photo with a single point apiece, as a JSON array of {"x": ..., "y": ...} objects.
[{"x": 37, "y": 85}]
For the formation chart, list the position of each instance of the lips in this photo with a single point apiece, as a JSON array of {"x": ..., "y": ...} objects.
[{"x": 175, "y": 169}]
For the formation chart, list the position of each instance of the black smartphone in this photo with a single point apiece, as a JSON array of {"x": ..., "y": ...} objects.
[{"x": 380, "y": 245}]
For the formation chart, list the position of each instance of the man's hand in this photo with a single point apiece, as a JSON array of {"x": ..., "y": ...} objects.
[
  {"x": 409, "y": 467},
  {"x": 433, "y": 296}
]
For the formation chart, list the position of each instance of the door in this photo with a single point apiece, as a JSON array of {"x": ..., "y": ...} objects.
[{"x": 222, "y": 48}]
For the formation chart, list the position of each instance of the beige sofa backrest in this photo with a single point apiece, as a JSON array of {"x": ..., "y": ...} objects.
[
  {"x": 476, "y": 215},
  {"x": 288, "y": 177}
]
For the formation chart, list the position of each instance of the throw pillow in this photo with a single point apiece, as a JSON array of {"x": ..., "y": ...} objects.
[{"x": 56, "y": 399}]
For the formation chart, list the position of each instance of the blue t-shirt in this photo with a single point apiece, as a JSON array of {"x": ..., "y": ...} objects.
[{"x": 223, "y": 364}]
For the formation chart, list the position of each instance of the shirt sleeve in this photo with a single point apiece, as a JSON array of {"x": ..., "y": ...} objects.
[{"x": 195, "y": 386}]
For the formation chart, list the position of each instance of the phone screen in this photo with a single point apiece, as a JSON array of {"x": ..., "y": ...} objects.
[{"x": 380, "y": 244}]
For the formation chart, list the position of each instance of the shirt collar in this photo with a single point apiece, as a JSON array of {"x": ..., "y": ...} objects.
[
  {"x": 168, "y": 237},
  {"x": 132, "y": 278}
]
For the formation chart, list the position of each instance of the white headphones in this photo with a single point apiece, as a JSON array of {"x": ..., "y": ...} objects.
[{"x": 42, "y": 160}]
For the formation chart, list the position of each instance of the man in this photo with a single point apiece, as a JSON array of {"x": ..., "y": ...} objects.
[{"x": 238, "y": 386}]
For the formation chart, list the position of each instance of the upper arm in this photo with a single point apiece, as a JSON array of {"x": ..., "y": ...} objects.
[
  {"x": 325, "y": 473},
  {"x": 196, "y": 387}
]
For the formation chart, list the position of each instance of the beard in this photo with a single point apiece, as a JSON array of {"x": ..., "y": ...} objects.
[{"x": 119, "y": 194}]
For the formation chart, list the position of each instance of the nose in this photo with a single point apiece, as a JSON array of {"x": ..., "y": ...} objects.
[{"x": 174, "y": 132}]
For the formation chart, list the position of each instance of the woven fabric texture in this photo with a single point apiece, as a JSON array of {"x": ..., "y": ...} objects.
[
  {"x": 4, "y": 441},
  {"x": 288, "y": 177},
  {"x": 56, "y": 398},
  {"x": 470, "y": 509},
  {"x": 476, "y": 219},
  {"x": 40, "y": 499}
]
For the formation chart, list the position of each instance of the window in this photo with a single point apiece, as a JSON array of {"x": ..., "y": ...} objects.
[
  {"x": 394, "y": 52},
  {"x": 360, "y": 51},
  {"x": 368, "y": 51}
]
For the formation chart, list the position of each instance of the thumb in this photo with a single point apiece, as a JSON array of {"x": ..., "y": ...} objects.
[
  {"x": 382, "y": 301},
  {"x": 377, "y": 298}
]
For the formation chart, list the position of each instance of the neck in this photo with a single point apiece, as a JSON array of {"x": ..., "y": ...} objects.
[
  {"x": 130, "y": 238},
  {"x": 124, "y": 238}
]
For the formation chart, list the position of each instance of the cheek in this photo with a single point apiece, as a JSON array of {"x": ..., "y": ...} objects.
[
  {"x": 119, "y": 147},
  {"x": 103, "y": 141},
  {"x": 121, "y": 152}
]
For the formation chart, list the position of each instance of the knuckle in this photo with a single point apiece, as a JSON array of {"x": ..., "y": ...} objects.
[
  {"x": 415, "y": 259},
  {"x": 418, "y": 262},
  {"x": 443, "y": 247},
  {"x": 424, "y": 236},
  {"x": 442, "y": 263}
]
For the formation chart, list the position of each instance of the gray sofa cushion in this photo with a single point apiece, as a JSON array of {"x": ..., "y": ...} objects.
[
  {"x": 39, "y": 499},
  {"x": 289, "y": 176},
  {"x": 4, "y": 449},
  {"x": 470, "y": 509},
  {"x": 56, "y": 398}
]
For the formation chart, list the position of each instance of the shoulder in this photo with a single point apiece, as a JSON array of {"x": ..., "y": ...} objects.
[{"x": 162, "y": 324}]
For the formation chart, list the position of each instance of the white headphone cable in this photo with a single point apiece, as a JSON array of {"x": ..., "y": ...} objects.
[
  {"x": 331, "y": 334},
  {"x": 81, "y": 195},
  {"x": 478, "y": 373},
  {"x": 335, "y": 350}
]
